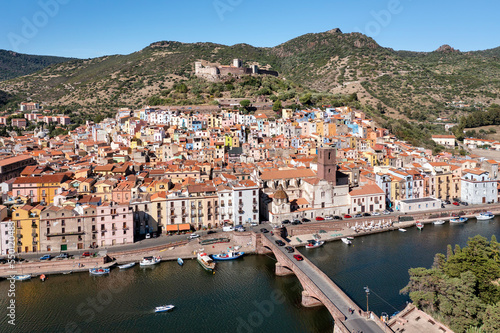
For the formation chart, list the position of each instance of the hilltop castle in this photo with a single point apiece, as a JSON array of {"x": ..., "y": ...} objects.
[{"x": 215, "y": 72}]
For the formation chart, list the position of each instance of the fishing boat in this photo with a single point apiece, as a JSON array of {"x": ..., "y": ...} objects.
[
  {"x": 180, "y": 261},
  {"x": 125, "y": 266},
  {"x": 485, "y": 216},
  {"x": 149, "y": 261},
  {"x": 402, "y": 230},
  {"x": 438, "y": 222},
  {"x": 99, "y": 271},
  {"x": 419, "y": 225},
  {"x": 314, "y": 243},
  {"x": 346, "y": 241},
  {"x": 164, "y": 308},
  {"x": 206, "y": 262},
  {"x": 229, "y": 255},
  {"x": 459, "y": 220},
  {"x": 350, "y": 238},
  {"x": 22, "y": 277}
]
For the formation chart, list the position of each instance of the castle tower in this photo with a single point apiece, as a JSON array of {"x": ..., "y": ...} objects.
[
  {"x": 237, "y": 63},
  {"x": 327, "y": 164}
]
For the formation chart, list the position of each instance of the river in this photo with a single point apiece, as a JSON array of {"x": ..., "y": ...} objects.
[{"x": 243, "y": 295}]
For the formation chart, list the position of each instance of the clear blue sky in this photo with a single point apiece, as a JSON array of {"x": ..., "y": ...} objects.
[{"x": 90, "y": 28}]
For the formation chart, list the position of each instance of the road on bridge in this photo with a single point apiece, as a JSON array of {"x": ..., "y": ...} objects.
[{"x": 355, "y": 322}]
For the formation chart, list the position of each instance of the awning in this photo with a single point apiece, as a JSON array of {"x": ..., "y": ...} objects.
[
  {"x": 184, "y": 226},
  {"x": 172, "y": 227}
]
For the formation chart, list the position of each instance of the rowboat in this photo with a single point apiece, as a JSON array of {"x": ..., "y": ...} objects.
[
  {"x": 439, "y": 222},
  {"x": 22, "y": 277},
  {"x": 459, "y": 220},
  {"x": 402, "y": 230},
  {"x": 346, "y": 241},
  {"x": 180, "y": 261}
]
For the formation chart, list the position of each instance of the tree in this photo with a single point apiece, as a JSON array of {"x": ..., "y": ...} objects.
[
  {"x": 277, "y": 105},
  {"x": 245, "y": 103},
  {"x": 305, "y": 99},
  {"x": 491, "y": 318}
]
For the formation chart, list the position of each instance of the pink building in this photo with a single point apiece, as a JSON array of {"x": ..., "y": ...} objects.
[
  {"x": 3, "y": 121},
  {"x": 115, "y": 224}
]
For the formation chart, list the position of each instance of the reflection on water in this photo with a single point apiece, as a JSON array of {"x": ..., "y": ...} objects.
[{"x": 243, "y": 296}]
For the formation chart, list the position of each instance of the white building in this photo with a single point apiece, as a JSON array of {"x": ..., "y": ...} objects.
[
  {"x": 368, "y": 198},
  {"x": 418, "y": 205},
  {"x": 239, "y": 202},
  {"x": 7, "y": 238},
  {"x": 445, "y": 140},
  {"x": 477, "y": 187}
]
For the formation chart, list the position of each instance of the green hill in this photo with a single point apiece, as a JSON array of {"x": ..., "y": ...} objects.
[
  {"x": 395, "y": 84},
  {"x": 13, "y": 64}
]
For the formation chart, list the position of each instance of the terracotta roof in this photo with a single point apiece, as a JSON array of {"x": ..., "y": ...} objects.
[
  {"x": 367, "y": 190},
  {"x": 287, "y": 174}
]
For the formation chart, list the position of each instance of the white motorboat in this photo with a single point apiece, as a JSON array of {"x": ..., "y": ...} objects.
[
  {"x": 402, "y": 230},
  {"x": 125, "y": 266},
  {"x": 459, "y": 220},
  {"x": 314, "y": 243},
  {"x": 164, "y": 308},
  {"x": 346, "y": 241},
  {"x": 22, "y": 277},
  {"x": 150, "y": 261},
  {"x": 438, "y": 222},
  {"x": 485, "y": 216}
]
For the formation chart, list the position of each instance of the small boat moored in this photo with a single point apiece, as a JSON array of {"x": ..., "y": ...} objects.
[
  {"x": 419, "y": 225},
  {"x": 346, "y": 241},
  {"x": 125, "y": 266},
  {"x": 149, "y": 261},
  {"x": 42, "y": 277},
  {"x": 22, "y": 277},
  {"x": 485, "y": 216},
  {"x": 99, "y": 271},
  {"x": 164, "y": 308},
  {"x": 205, "y": 261},
  {"x": 314, "y": 243},
  {"x": 438, "y": 222},
  {"x": 402, "y": 230},
  {"x": 180, "y": 261},
  {"x": 229, "y": 255},
  {"x": 459, "y": 220}
]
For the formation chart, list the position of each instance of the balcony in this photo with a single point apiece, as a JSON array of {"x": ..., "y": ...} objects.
[
  {"x": 69, "y": 233},
  {"x": 19, "y": 236},
  {"x": 240, "y": 211},
  {"x": 240, "y": 204},
  {"x": 255, "y": 210},
  {"x": 34, "y": 225},
  {"x": 201, "y": 215},
  {"x": 185, "y": 214},
  {"x": 34, "y": 234},
  {"x": 19, "y": 243}
]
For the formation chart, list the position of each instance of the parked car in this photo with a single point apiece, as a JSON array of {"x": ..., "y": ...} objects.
[
  {"x": 367, "y": 214},
  {"x": 336, "y": 217},
  {"x": 46, "y": 257},
  {"x": 62, "y": 255},
  {"x": 298, "y": 257},
  {"x": 386, "y": 212},
  {"x": 305, "y": 220},
  {"x": 86, "y": 254},
  {"x": 264, "y": 230},
  {"x": 376, "y": 214},
  {"x": 448, "y": 202},
  {"x": 329, "y": 217},
  {"x": 346, "y": 216},
  {"x": 211, "y": 232},
  {"x": 319, "y": 218},
  {"x": 279, "y": 242},
  {"x": 456, "y": 203},
  {"x": 240, "y": 229},
  {"x": 295, "y": 222},
  {"x": 289, "y": 249},
  {"x": 148, "y": 236},
  {"x": 465, "y": 203},
  {"x": 193, "y": 236},
  {"x": 286, "y": 221},
  {"x": 254, "y": 224},
  {"x": 358, "y": 216}
]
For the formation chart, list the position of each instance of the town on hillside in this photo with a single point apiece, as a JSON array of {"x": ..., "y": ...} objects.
[{"x": 159, "y": 170}]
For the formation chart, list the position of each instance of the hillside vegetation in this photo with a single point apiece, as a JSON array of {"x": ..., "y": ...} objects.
[
  {"x": 13, "y": 64},
  {"x": 390, "y": 84}
]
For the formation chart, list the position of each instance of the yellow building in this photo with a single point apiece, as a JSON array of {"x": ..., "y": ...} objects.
[{"x": 27, "y": 228}]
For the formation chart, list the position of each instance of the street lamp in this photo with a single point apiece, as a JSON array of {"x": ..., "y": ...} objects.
[{"x": 367, "y": 293}]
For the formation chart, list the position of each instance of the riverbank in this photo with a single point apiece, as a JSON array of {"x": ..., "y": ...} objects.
[{"x": 167, "y": 252}]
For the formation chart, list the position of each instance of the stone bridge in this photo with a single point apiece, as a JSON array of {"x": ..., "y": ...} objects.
[{"x": 319, "y": 289}]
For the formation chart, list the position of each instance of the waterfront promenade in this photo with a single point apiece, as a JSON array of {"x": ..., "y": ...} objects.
[{"x": 319, "y": 290}]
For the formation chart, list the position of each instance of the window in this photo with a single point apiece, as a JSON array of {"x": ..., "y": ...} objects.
[{"x": 241, "y": 193}]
